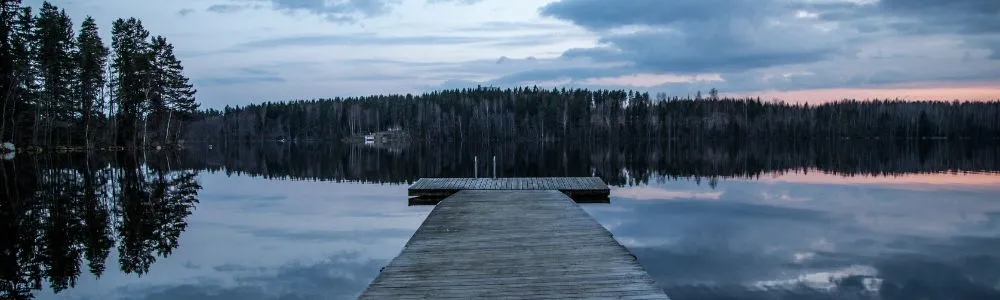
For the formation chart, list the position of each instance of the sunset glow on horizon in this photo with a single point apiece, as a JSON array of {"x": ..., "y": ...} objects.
[{"x": 961, "y": 92}]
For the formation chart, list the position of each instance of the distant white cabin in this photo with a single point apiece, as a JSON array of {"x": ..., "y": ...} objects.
[{"x": 370, "y": 139}]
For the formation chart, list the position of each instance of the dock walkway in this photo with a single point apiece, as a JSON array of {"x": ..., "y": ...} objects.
[
  {"x": 497, "y": 243},
  {"x": 572, "y": 186}
]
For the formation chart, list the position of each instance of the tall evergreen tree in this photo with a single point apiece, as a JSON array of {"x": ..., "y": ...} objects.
[
  {"x": 18, "y": 86},
  {"x": 8, "y": 76},
  {"x": 177, "y": 95},
  {"x": 91, "y": 60},
  {"x": 130, "y": 64},
  {"x": 55, "y": 38}
]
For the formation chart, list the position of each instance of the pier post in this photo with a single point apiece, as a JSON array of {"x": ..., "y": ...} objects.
[
  {"x": 494, "y": 167},
  {"x": 476, "y": 168}
]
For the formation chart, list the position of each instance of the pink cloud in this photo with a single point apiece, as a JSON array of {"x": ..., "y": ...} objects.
[{"x": 974, "y": 91}]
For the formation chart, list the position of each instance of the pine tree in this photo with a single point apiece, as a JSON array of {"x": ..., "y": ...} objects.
[
  {"x": 55, "y": 38},
  {"x": 91, "y": 60},
  {"x": 179, "y": 92},
  {"x": 17, "y": 80},
  {"x": 8, "y": 77},
  {"x": 130, "y": 64},
  {"x": 171, "y": 95}
]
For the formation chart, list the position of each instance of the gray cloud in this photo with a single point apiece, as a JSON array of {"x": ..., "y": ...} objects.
[
  {"x": 358, "y": 39},
  {"x": 492, "y": 26},
  {"x": 185, "y": 12},
  {"x": 599, "y": 14},
  {"x": 691, "y": 36},
  {"x": 946, "y": 16},
  {"x": 466, "y": 2},
  {"x": 235, "y": 80},
  {"x": 991, "y": 43},
  {"x": 368, "y": 39},
  {"x": 564, "y": 73},
  {"x": 743, "y": 39},
  {"x": 243, "y": 76},
  {"x": 226, "y": 8},
  {"x": 338, "y": 11}
]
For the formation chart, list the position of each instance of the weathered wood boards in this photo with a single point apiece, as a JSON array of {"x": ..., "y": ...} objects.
[
  {"x": 512, "y": 244},
  {"x": 575, "y": 187}
]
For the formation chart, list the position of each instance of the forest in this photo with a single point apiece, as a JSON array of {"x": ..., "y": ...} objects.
[
  {"x": 533, "y": 114},
  {"x": 62, "y": 87}
]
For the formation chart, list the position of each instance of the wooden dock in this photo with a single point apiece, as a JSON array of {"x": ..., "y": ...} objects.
[
  {"x": 512, "y": 244},
  {"x": 578, "y": 188}
]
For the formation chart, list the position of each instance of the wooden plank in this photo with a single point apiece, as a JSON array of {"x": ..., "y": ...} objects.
[
  {"x": 512, "y": 244},
  {"x": 589, "y": 183},
  {"x": 438, "y": 187}
]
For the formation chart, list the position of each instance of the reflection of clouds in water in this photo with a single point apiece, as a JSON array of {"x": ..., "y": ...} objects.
[
  {"x": 779, "y": 198},
  {"x": 894, "y": 211},
  {"x": 846, "y": 241},
  {"x": 800, "y": 257},
  {"x": 919, "y": 182},
  {"x": 253, "y": 238},
  {"x": 652, "y": 193},
  {"x": 826, "y": 280},
  {"x": 340, "y": 277}
]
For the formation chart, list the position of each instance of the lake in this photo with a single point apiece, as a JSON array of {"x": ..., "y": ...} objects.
[{"x": 830, "y": 220}]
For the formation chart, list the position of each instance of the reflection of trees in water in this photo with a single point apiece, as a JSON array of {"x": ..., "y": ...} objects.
[
  {"x": 618, "y": 164},
  {"x": 59, "y": 211}
]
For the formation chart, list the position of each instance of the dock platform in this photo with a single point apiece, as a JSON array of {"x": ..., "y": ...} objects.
[
  {"x": 575, "y": 187},
  {"x": 512, "y": 244}
]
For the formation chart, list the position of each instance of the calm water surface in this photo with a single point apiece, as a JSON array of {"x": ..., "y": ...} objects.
[{"x": 771, "y": 235}]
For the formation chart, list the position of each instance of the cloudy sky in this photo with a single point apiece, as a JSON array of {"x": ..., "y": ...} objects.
[{"x": 241, "y": 51}]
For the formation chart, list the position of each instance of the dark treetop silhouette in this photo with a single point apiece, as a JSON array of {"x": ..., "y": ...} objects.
[
  {"x": 532, "y": 114},
  {"x": 57, "y": 89}
]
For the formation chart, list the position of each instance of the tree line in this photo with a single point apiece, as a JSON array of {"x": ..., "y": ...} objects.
[
  {"x": 486, "y": 113},
  {"x": 63, "y": 215},
  {"x": 619, "y": 164},
  {"x": 66, "y": 88}
]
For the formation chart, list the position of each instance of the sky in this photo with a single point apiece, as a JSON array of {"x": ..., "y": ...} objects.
[{"x": 247, "y": 51}]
